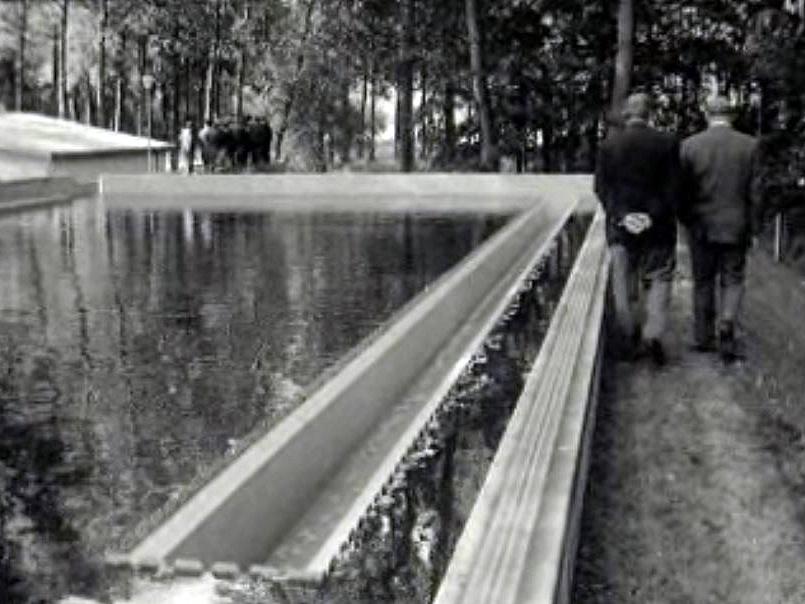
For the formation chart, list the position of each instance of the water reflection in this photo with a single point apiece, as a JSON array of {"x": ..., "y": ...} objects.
[{"x": 137, "y": 349}]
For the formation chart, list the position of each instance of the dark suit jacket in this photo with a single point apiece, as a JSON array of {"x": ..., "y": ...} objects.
[
  {"x": 638, "y": 171},
  {"x": 722, "y": 200}
]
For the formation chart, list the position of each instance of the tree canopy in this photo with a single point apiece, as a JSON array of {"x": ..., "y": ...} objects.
[{"x": 528, "y": 84}]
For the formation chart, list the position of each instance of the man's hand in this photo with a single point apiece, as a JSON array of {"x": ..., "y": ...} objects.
[{"x": 636, "y": 222}]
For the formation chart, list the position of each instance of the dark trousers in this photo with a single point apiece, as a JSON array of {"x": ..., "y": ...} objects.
[{"x": 717, "y": 268}]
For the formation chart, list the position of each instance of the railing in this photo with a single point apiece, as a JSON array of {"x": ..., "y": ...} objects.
[{"x": 519, "y": 543}]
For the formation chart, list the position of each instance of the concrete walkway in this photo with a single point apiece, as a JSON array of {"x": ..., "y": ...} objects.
[{"x": 698, "y": 469}]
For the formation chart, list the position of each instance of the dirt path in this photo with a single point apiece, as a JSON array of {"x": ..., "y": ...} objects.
[{"x": 698, "y": 476}]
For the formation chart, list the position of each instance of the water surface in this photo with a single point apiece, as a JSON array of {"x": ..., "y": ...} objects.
[{"x": 139, "y": 349}]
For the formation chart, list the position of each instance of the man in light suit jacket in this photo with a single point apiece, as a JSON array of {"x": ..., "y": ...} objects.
[
  {"x": 636, "y": 179},
  {"x": 720, "y": 210}
]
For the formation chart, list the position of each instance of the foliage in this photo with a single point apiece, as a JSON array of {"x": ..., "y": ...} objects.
[{"x": 316, "y": 67}]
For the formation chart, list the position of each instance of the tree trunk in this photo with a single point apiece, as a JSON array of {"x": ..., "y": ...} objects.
[
  {"x": 54, "y": 99},
  {"x": 488, "y": 153},
  {"x": 117, "y": 119},
  {"x": 142, "y": 102},
  {"x": 120, "y": 69},
  {"x": 241, "y": 72},
  {"x": 201, "y": 93},
  {"x": 364, "y": 100},
  {"x": 547, "y": 146},
  {"x": 188, "y": 89},
  {"x": 424, "y": 143},
  {"x": 19, "y": 80},
  {"x": 216, "y": 75},
  {"x": 288, "y": 105},
  {"x": 208, "y": 85},
  {"x": 101, "y": 92},
  {"x": 449, "y": 110},
  {"x": 211, "y": 87},
  {"x": 176, "y": 93},
  {"x": 241, "y": 82},
  {"x": 87, "y": 99},
  {"x": 406, "y": 88},
  {"x": 397, "y": 120},
  {"x": 373, "y": 115},
  {"x": 63, "y": 101},
  {"x": 624, "y": 57}
]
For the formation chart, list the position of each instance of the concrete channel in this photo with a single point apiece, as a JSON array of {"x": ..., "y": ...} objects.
[
  {"x": 519, "y": 544},
  {"x": 287, "y": 505}
]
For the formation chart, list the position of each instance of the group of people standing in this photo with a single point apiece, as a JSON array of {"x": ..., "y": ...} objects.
[
  {"x": 226, "y": 145},
  {"x": 648, "y": 181}
]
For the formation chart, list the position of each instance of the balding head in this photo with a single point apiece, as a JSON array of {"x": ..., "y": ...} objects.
[
  {"x": 637, "y": 107},
  {"x": 718, "y": 107}
]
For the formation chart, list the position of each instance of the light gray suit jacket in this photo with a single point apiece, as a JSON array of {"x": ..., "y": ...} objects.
[{"x": 721, "y": 199}]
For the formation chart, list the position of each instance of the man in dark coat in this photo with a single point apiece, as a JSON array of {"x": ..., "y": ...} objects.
[
  {"x": 208, "y": 139},
  {"x": 636, "y": 180},
  {"x": 266, "y": 136},
  {"x": 720, "y": 211}
]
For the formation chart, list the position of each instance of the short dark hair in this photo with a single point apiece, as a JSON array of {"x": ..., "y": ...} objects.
[
  {"x": 637, "y": 105},
  {"x": 719, "y": 105}
]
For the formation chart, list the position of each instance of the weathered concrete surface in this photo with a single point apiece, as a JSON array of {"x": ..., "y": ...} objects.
[
  {"x": 242, "y": 513},
  {"x": 429, "y": 192},
  {"x": 518, "y": 542}
]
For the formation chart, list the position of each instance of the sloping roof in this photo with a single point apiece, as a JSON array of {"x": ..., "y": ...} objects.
[{"x": 41, "y": 135}]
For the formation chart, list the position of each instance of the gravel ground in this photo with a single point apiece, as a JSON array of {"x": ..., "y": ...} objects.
[{"x": 698, "y": 472}]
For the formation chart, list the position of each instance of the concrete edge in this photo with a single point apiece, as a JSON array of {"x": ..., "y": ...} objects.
[
  {"x": 510, "y": 288},
  {"x": 468, "y": 576},
  {"x": 344, "y": 184},
  {"x": 553, "y": 544},
  {"x": 168, "y": 540}
]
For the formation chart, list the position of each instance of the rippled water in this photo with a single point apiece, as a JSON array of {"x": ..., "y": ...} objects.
[{"x": 138, "y": 349}]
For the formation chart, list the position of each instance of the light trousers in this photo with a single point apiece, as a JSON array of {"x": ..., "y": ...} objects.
[{"x": 649, "y": 266}]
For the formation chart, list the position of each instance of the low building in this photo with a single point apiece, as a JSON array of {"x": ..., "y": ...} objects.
[{"x": 35, "y": 146}]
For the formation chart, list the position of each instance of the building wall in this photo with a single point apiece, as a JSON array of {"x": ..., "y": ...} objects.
[
  {"x": 83, "y": 168},
  {"x": 17, "y": 166},
  {"x": 87, "y": 168}
]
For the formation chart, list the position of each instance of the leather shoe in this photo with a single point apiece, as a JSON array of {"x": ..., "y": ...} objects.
[
  {"x": 726, "y": 343},
  {"x": 703, "y": 347},
  {"x": 656, "y": 352}
]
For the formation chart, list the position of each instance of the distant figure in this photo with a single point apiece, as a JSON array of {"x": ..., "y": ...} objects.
[
  {"x": 267, "y": 137},
  {"x": 721, "y": 213},
  {"x": 329, "y": 150},
  {"x": 240, "y": 145},
  {"x": 261, "y": 135},
  {"x": 186, "y": 148},
  {"x": 207, "y": 141},
  {"x": 636, "y": 181},
  {"x": 225, "y": 143}
]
